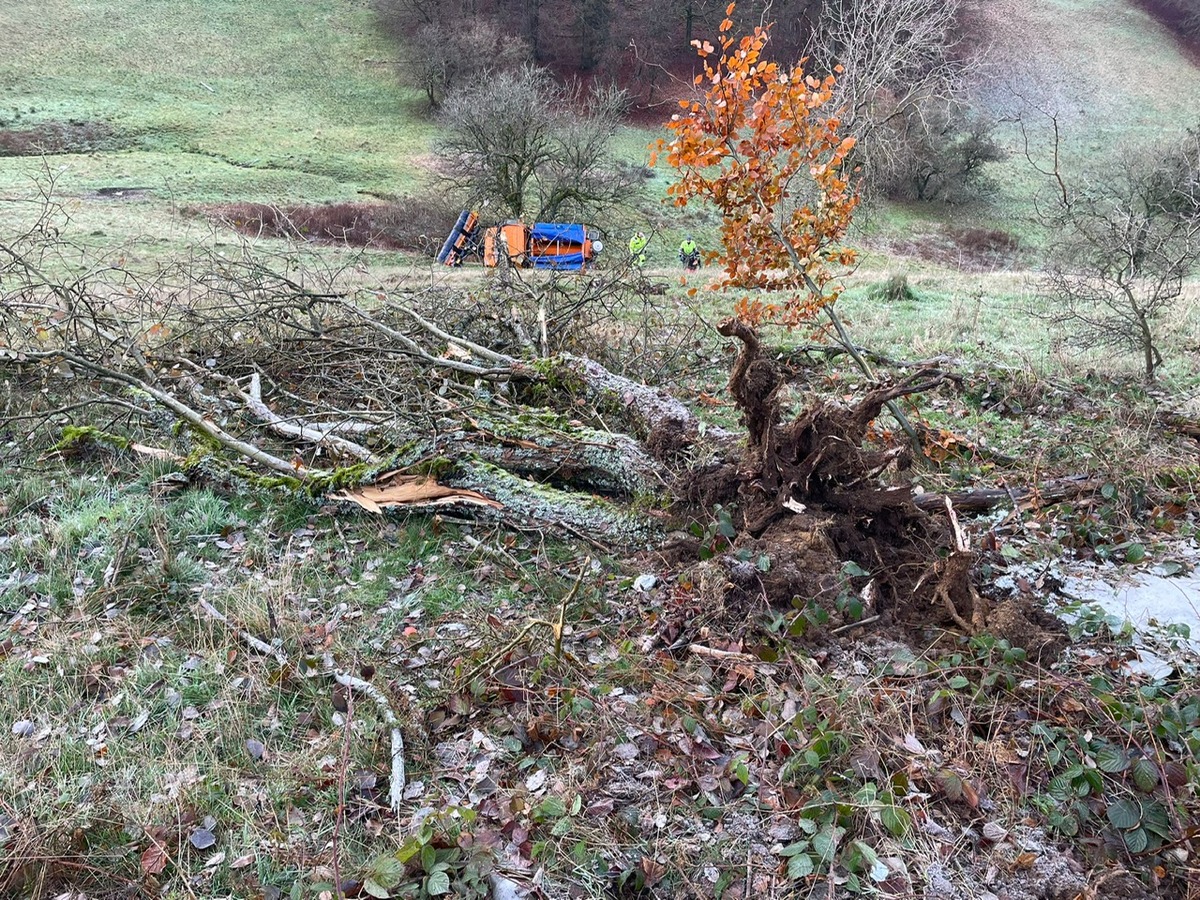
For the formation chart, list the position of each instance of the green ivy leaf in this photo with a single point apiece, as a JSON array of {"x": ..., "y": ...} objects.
[
  {"x": 1135, "y": 553},
  {"x": 958, "y": 682},
  {"x": 854, "y": 570},
  {"x": 375, "y": 889}
]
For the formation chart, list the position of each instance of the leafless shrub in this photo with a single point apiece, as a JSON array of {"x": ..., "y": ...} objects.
[
  {"x": 410, "y": 223},
  {"x": 534, "y": 146},
  {"x": 1125, "y": 237}
]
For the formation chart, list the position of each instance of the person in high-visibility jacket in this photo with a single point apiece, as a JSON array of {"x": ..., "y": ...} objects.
[
  {"x": 689, "y": 253},
  {"x": 637, "y": 248}
]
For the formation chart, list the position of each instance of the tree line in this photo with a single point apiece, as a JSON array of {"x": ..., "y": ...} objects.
[
  {"x": 902, "y": 88},
  {"x": 633, "y": 42}
]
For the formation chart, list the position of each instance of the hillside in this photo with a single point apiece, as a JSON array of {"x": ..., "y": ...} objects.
[
  {"x": 1107, "y": 67},
  {"x": 298, "y": 101},
  {"x": 217, "y": 100}
]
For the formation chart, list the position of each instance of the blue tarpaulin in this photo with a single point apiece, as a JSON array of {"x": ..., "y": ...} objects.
[{"x": 563, "y": 234}]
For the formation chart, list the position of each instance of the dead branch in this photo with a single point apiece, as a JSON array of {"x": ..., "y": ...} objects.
[
  {"x": 198, "y": 421},
  {"x": 398, "y": 779},
  {"x": 308, "y": 433},
  {"x": 982, "y": 499},
  {"x": 255, "y": 643}
]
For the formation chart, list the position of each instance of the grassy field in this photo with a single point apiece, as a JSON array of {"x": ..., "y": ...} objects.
[{"x": 224, "y": 100}]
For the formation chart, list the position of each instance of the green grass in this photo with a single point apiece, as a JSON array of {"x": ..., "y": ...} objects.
[
  {"x": 262, "y": 100},
  {"x": 142, "y": 706}
]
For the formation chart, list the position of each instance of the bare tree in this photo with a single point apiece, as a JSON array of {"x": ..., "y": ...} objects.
[
  {"x": 1125, "y": 238},
  {"x": 535, "y": 146},
  {"x": 445, "y": 56},
  {"x": 903, "y": 92},
  {"x": 937, "y": 153}
]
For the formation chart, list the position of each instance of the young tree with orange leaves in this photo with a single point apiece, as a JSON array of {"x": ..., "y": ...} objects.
[{"x": 759, "y": 145}]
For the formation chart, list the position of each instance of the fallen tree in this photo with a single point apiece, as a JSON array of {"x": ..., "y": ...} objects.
[
  {"x": 507, "y": 403},
  {"x": 525, "y": 401},
  {"x": 288, "y": 378}
]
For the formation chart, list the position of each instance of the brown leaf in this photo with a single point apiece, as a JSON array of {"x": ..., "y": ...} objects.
[
  {"x": 154, "y": 859},
  {"x": 1024, "y": 860},
  {"x": 653, "y": 870},
  {"x": 970, "y": 794},
  {"x": 600, "y": 808}
]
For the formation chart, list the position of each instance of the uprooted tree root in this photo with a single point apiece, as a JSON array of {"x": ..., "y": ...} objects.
[{"x": 810, "y": 501}]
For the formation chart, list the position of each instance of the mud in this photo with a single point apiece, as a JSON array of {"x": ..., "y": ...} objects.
[{"x": 1022, "y": 623}]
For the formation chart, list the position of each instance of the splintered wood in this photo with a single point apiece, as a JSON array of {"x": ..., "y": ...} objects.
[{"x": 394, "y": 489}]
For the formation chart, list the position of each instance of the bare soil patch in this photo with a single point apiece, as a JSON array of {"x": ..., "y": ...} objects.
[
  {"x": 419, "y": 224},
  {"x": 118, "y": 194},
  {"x": 970, "y": 249},
  {"x": 56, "y": 138}
]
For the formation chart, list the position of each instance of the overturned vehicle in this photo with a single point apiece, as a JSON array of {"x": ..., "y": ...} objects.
[{"x": 543, "y": 245}]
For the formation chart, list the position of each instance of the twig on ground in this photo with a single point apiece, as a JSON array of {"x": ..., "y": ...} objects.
[
  {"x": 341, "y": 807},
  {"x": 723, "y": 655},
  {"x": 398, "y": 778},
  {"x": 556, "y": 628},
  {"x": 255, "y": 643},
  {"x": 847, "y": 627}
]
